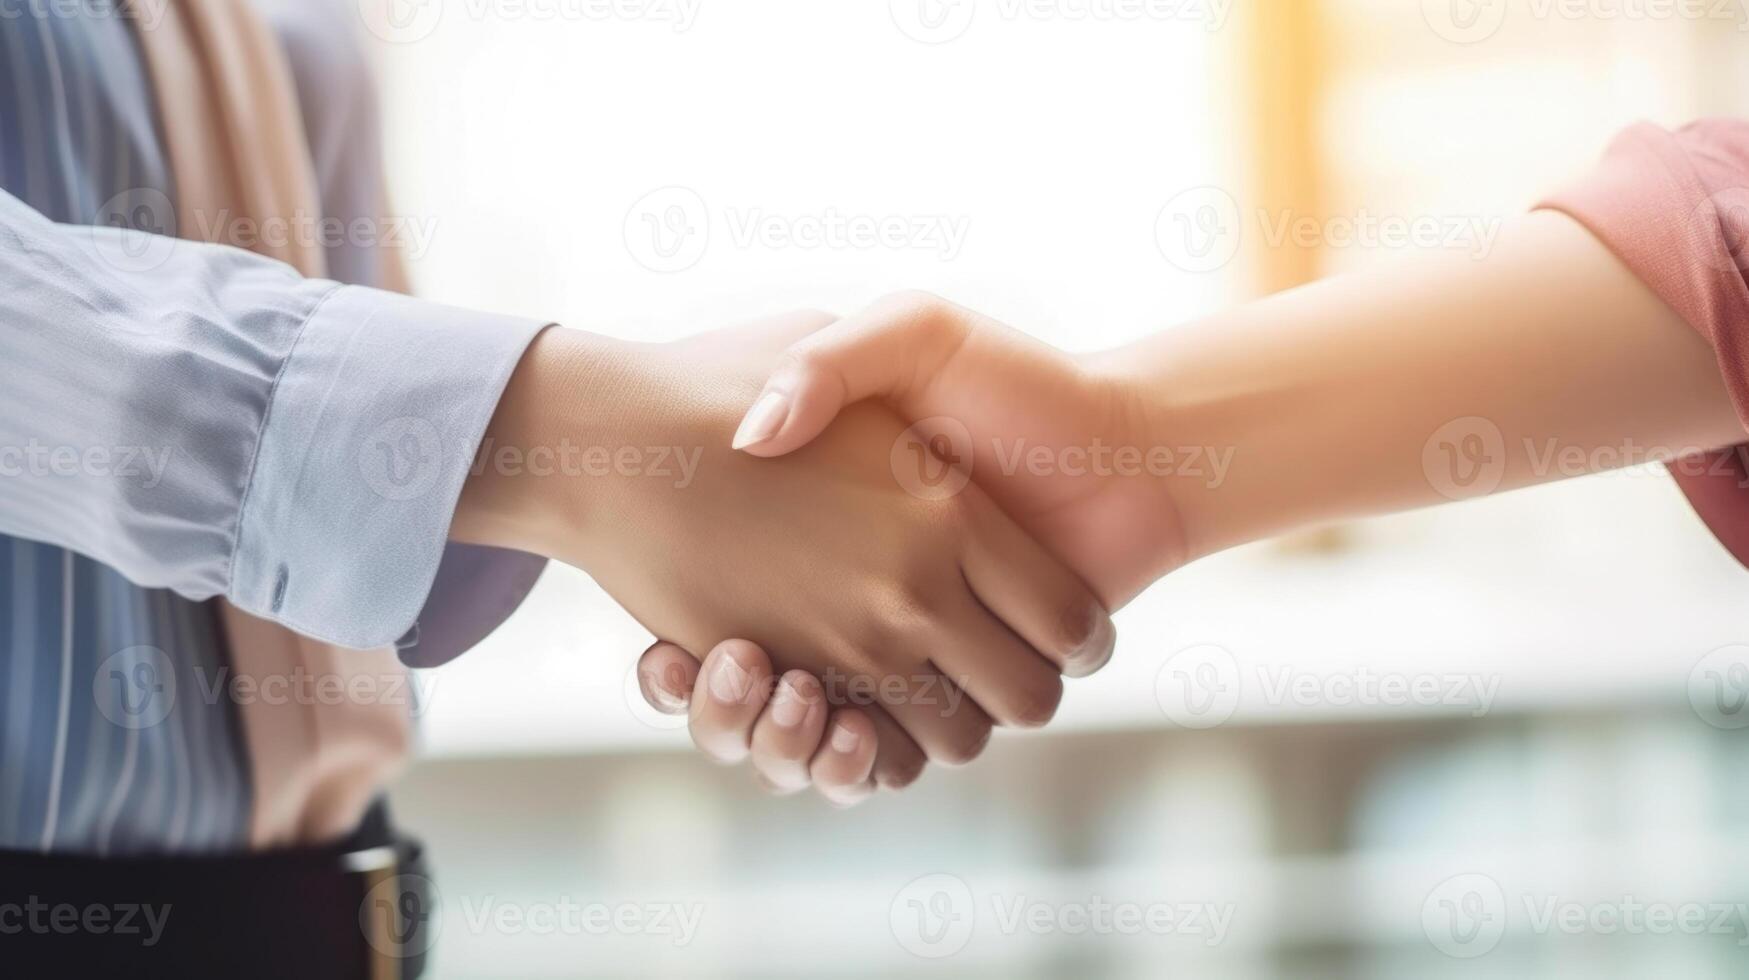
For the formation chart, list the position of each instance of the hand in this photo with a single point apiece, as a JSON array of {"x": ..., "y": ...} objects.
[
  {"x": 935, "y": 616},
  {"x": 795, "y": 737},
  {"x": 928, "y": 358},
  {"x": 1110, "y": 517}
]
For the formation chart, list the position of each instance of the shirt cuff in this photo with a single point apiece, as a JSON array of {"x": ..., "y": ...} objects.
[
  {"x": 370, "y": 434},
  {"x": 477, "y": 589}
]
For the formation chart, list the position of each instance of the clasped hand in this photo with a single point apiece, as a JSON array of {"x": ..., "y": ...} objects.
[
  {"x": 962, "y": 378},
  {"x": 873, "y": 625}
]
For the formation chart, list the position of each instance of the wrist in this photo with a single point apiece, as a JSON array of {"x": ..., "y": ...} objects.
[
  {"x": 1324, "y": 419},
  {"x": 560, "y": 401},
  {"x": 1152, "y": 461},
  {"x": 1194, "y": 393}
]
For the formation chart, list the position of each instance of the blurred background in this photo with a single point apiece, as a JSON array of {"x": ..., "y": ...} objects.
[{"x": 1499, "y": 738}]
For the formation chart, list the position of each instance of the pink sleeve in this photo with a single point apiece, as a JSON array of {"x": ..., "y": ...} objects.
[{"x": 1675, "y": 207}]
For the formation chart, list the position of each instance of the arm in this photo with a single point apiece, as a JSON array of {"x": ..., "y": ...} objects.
[
  {"x": 1438, "y": 379},
  {"x": 1580, "y": 343},
  {"x": 205, "y": 420},
  {"x": 476, "y": 588},
  {"x": 1358, "y": 395}
]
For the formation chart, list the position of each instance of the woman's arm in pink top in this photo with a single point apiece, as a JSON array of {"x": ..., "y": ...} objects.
[
  {"x": 1674, "y": 206},
  {"x": 1561, "y": 350}
]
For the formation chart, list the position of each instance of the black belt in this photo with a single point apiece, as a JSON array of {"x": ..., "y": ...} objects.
[{"x": 356, "y": 910}]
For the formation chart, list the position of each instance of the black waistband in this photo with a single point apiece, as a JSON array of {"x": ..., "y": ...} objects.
[{"x": 354, "y": 910}]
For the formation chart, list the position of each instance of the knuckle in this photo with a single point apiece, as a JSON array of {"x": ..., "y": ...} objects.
[
  {"x": 914, "y": 607},
  {"x": 898, "y": 627},
  {"x": 919, "y": 303},
  {"x": 802, "y": 359},
  {"x": 884, "y": 642},
  {"x": 951, "y": 523},
  {"x": 814, "y": 316},
  {"x": 938, "y": 322}
]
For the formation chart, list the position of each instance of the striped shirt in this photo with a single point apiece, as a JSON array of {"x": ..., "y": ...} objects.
[
  {"x": 76, "y": 129},
  {"x": 98, "y": 615}
]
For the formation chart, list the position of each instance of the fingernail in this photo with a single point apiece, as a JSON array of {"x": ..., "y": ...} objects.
[
  {"x": 763, "y": 420},
  {"x": 729, "y": 681},
  {"x": 664, "y": 699},
  {"x": 844, "y": 740},
  {"x": 787, "y": 708},
  {"x": 1096, "y": 652}
]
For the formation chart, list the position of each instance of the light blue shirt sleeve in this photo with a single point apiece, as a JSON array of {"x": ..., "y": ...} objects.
[
  {"x": 476, "y": 588},
  {"x": 205, "y": 420}
]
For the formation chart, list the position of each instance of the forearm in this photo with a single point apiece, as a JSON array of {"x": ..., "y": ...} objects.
[
  {"x": 500, "y": 508},
  {"x": 586, "y": 424},
  {"x": 206, "y": 420},
  {"x": 1339, "y": 399}
]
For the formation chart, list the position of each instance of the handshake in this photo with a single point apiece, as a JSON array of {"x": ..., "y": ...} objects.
[
  {"x": 905, "y": 527},
  {"x": 860, "y": 603}
]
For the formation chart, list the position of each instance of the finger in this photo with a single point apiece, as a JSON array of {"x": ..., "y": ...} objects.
[
  {"x": 899, "y": 760},
  {"x": 787, "y": 735},
  {"x": 879, "y": 352},
  {"x": 843, "y": 768},
  {"x": 666, "y": 675},
  {"x": 1025, "y": 587},
  {"x": 732, "y": 690},
  {"x": 949, "y": 727},
  {"x": 1000, "y": 672}
]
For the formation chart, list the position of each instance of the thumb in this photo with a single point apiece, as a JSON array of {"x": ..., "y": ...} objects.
[{"x": 882, "y": 352}]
